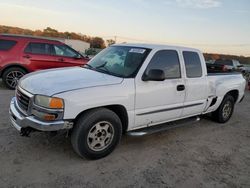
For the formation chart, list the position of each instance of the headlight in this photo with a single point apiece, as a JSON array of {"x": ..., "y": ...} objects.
[{"x": 49, "y": 102}]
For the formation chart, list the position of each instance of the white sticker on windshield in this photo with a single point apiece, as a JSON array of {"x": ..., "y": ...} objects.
[{"x": 137, "y": 50}]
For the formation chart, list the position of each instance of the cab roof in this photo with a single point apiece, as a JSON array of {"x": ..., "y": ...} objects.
[{"x": 157, "y": 46}]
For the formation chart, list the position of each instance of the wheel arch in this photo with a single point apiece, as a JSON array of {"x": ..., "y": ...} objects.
[
  {"x": 217, "y": 115},
  {"x": 234, "y": 93},
  {"x": 118, "y": 109},
  {"x": 11, "y": 66}
]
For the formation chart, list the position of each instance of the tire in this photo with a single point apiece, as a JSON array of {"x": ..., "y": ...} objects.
[
  {"x": 225, "y": 110},
  {"x": 11, "y": 76},
  {"x": 96, "y": 133}
]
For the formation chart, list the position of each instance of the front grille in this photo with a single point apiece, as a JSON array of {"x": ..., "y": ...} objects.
[{"x": 22, "y": 100}]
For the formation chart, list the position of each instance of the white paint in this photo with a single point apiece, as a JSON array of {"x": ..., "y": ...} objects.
[{"x": 52, "y": 81}]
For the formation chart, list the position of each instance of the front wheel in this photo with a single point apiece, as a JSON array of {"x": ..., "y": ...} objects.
[
  {"x": 225, "y": 110},
  {"x": 96, "y": 133}
]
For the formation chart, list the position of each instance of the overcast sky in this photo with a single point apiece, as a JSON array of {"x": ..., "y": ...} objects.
[{"x": 221, "y": 26}]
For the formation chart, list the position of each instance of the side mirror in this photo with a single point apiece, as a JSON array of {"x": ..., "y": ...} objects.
[
  {"x": 154, "y": 75},
  {"x": 78, "y": 56}
]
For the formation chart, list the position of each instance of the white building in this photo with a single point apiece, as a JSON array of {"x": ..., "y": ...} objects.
[{"x": 78, "y": 45}]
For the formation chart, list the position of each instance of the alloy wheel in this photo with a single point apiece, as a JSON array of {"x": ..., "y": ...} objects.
[
  {"x": 227, "y": 109},
  {"x": 100, "y": 136},
  {"x": 13, "y": 77}
]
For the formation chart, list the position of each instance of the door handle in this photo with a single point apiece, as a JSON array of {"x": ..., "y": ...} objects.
[
  {"x": 27, "y": 56},
  {"x": 60, "y": 59},
  {"x": 180, "y": 88}
]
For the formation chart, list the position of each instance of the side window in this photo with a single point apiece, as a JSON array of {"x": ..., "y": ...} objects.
[
  {"x": 63, "y": 50},
  {"x": 229, "y": 62},
  {"x": 38, "y": 48},
  {"x": 192, "y": 64},
  {"x": 6, "y": 44},
  {"x": 224, "y": 62},
  {"x": 236, "y": 63},
  {"x": 168, "y": 61}
]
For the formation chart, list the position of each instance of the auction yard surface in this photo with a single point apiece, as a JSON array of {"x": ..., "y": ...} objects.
[{"x": 204, "y": 154}]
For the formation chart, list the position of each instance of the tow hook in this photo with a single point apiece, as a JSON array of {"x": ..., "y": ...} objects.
[{"x": 26, "y": 131}]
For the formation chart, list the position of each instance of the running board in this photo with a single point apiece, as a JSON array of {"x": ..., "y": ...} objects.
[{"x": 163, "y": 127}]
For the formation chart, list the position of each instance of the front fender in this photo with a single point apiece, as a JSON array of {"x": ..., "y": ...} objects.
[{"x": 81, "y": 100}]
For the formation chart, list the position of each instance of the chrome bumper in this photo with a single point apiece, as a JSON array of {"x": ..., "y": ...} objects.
[{"x": 19, "y": 121}]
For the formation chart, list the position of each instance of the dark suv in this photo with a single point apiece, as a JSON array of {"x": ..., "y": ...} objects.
[{"x": 20, "y": 55}]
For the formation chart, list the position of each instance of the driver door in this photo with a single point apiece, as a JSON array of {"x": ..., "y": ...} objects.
[{"x": 160, "y": 101}]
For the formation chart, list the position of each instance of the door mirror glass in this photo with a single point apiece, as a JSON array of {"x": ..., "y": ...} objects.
[{"x": 154, "y": 75}]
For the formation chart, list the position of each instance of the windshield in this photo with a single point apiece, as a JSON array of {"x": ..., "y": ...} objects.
[{"x": 121, "y": 61}]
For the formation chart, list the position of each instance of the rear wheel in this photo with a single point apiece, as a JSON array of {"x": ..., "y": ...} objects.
[
  {"x": 96, "y": 133},
  {"x": 12, "y": 75},
  {"x": 225, "y": 110}
]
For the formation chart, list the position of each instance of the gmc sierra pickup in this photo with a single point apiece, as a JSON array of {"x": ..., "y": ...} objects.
[{"x": 124, "y": 89}]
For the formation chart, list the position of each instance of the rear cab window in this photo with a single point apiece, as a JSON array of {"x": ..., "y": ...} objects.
[
  {"x": 6, "y": 45},
  {"x": 192, "y": 64}
]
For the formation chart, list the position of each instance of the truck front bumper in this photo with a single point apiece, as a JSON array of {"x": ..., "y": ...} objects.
[{"x": 19, "y": 121}]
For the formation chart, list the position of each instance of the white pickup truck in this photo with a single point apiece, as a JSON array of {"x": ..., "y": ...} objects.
[{"x": 127, "y": 88}]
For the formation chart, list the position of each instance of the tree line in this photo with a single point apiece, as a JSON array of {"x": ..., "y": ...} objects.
[
  {"x": 95, "y": 42},
  {"x": 241, "y": 59}
]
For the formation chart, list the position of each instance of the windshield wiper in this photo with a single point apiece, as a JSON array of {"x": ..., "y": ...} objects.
[
  {"x": 98, "y": 68},
  {"x": 102, "y": 65},
  {"x": 88, "y": 65}
]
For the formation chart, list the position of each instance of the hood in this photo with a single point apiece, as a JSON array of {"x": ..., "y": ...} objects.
[{"x": 50, "y": 82}]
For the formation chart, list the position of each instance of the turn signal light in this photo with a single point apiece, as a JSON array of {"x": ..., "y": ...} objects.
[
  {"x": 56, "y": 103},
  {"x": 49, "y": 117}
]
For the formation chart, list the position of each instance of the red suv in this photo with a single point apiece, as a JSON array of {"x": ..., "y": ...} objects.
[{"x": 20, "y": 55}]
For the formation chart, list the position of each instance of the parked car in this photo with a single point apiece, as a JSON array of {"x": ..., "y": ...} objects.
[
  {"x": 225, "y": 65},
  {"x": 126, "y": 88},
  {"x": 20, "y": 55}
]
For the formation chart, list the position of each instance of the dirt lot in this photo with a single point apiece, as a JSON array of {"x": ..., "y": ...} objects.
[{"x": 205, "y": 154}]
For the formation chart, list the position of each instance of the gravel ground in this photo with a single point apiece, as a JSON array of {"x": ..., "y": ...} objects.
[{"x": 204, "y": 154}]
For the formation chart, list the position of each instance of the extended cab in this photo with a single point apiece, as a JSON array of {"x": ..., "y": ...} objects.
[{"x": 125, "y": 88}]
